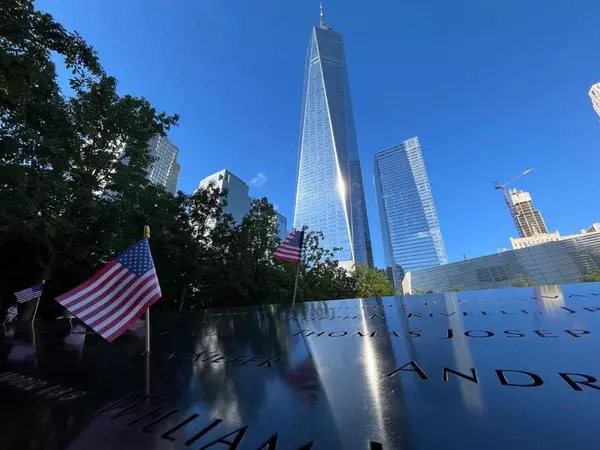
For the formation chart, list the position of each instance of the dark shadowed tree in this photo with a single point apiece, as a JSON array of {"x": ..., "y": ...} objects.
[
  {"x": 63, "y": 159},
  {"x": 74, "y": 192}
]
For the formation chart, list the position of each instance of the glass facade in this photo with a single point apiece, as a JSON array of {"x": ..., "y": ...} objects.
[
  {"x": 550, "y": 263},
  {"x": 329, "y": 194},
  {"x": 282, "y": 229},
  {"x": 165, "y": 170},
  {"x": 410, "y": 230}
]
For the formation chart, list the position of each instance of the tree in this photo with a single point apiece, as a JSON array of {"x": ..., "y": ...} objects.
[
  {"x": 372, "y": 283},
  {"x": 521, "y": 281},
  {"x": 66, "y": 161},
  {"x": 74, "y": 192},
  {"x": 322, "y": 278},
  {"x": 591, "y": 277},
  {"x": 247, "y": 273}
]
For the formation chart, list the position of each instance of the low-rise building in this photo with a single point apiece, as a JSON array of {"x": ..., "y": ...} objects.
[
  {"x": 549, "y": 237},
  {"x": 556, "y": 262}
]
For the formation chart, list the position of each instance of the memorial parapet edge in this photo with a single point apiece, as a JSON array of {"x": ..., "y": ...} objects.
[{"x": 513, "y": 368}]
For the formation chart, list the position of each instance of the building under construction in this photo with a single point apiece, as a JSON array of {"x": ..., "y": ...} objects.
[{"x": 528, "y": 219}]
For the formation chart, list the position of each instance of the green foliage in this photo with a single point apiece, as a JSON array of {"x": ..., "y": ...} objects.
[
  {"x": 62, "y": 158},
  {"x": 372, "y": 283},
  {"x": 74, "y": 192},
  {"x": 421, "y": 292},
  {"x": 521, "y": 281},
  {"x": 458, "y": 289},
  {"x": 593, "y": 276}
]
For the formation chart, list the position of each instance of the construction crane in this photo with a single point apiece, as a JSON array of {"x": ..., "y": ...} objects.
[{"x": 502, "y": 187}]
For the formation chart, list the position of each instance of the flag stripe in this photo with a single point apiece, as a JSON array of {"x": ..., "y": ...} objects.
[
  {"x": 136, "y": 317},
  {"x": 123, "y": 310},
  {"x": 88, "y": 311},
  {"x": 29, "y": 296},
  {"x": 284, "y": 258},
  {"x": 288, "y": 252},
  {"x": 291, "y": 247},
  {"x": 74, "y": 294},
  {"x": 107, "y": 315},
  {"x": 128, "y": 301},
  {"x": 100, "y": 289},
  {"x": 123, "y": 324},
  {"x": 119, "y": 294},
  {"x": 30, "y": 293}
]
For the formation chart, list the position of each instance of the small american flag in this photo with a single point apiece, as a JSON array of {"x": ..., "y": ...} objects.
[
  {"x": 12, "y": 312},
  {"x": 30, "y": 293},
  {"x": 116, "y": 297},
  {"x": 291, "y": 247}
]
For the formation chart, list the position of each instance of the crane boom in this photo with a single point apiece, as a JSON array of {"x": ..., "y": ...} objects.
[
  {"x": 517, "y": 177},
  {"x": 507, "y": 200}
]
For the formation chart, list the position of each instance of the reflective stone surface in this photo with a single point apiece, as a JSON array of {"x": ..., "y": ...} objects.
[{"x": 513, "y": 368}]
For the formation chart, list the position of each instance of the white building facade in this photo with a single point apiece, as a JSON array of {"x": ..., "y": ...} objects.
[
  {"x": 238, "y": 201},
  {"x": 595, "y": 96}
]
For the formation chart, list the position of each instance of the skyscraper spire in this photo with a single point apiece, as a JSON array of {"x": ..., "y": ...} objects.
[{"x": 329, "y": 194}]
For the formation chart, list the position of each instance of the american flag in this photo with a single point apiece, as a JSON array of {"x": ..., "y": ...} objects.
[
  {"x": 30, "y": 293},
  {"x": 12, "y": 312},
  {"x": 117, "y": 296},
  {"x": 291, "y": 247}
]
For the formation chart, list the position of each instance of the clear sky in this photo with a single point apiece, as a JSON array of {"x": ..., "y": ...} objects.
[{"x": 489, "y": 87}]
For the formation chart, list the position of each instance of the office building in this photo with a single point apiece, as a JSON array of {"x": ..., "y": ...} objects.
[
  {"x": 595, "y": 96},
  {"x": 559, "y": 262},
  {"x": 410, "y": 230},
  {"x": 282, "y": 229},
  {"x": 165, "y": 169},
  {"x": 238, "y": 201},
  {"x": 329, "y": 193},
  {"x": 528, "y": 219}
]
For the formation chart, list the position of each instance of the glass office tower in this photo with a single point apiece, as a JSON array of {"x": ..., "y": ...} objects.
[
  {"x": 410, "y": 230},
  {"x": 329, "y": 193},
  {"x": 165, "y": 169}
]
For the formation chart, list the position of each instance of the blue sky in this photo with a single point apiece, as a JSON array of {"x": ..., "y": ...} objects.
[{"x": 489, "y": 87}]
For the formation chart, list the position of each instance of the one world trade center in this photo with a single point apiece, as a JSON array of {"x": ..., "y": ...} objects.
[{"x": 329, "y": 194}]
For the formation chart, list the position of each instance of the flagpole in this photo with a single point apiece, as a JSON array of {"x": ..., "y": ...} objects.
[
  {"x": 296, "y": 285},
  {"x": 304, "y": 228},
  {"x": 38, "y": 302},
  {"x": 147, "y": 314}
]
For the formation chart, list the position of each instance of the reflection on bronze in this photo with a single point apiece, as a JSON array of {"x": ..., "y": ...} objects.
[{"x": 480, "y": 368}]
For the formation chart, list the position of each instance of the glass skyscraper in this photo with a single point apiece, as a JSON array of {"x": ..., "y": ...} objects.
[
  {"x": 165, "y": 169},
  {"x": 329, "y": 194},
  {"x": 410, "y": 230}
]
